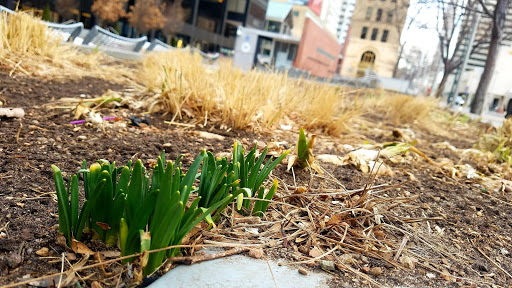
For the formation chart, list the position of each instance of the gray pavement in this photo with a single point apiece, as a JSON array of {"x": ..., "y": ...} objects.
[{"x": 240, "y": 271}]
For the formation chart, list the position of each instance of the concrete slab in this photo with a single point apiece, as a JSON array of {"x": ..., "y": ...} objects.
[{"x": 240, "y": 271}]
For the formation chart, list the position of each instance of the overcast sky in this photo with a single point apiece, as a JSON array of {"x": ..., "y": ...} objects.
[{"x": 426, "y": 39}]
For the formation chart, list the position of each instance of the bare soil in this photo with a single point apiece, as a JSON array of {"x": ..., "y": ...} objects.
[{"x": 28, "y": 211}]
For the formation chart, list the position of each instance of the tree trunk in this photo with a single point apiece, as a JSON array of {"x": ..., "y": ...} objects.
[
  {"x": 500, "y": 12},
  {"x": 398, "y": 60},
  {"x": 440, "y": 89}
]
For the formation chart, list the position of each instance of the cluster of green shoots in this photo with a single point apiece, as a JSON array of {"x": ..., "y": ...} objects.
[{"x": 123, "y": 206}]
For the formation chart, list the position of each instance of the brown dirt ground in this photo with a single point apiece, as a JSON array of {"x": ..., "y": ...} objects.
[{"x": 44, "y": 137}]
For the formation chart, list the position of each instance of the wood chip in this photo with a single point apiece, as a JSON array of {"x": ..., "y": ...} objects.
[{"x": 303, "y": 271}]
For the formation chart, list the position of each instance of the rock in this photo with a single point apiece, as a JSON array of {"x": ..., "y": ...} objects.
[
  {"x": 376, "y": 271},
  {"x": 479, "y": 214},
  {"x": 327, "y": 265},
  {"x": 81, "y": 138},
  {"x": 437, "y": 199},
  {"x": 425, "y": 206},
  {"x": 315, "y": 252},
  {"x": 508, "y": 188},
  {"x": 472, "y": 208},
  {"x": 364, "y": 259},
  {"x": 365, "y": 269},
  {"x": 303, "y": 271},
  {"x": 408, "y": 262},
  {"x": 43, "y": 252},
  {"x": 12, "y": 260},
  {"x": 256, "y": 253},
  {"x": 208, "y": 135},
  {"x": 167, "y": 145}
]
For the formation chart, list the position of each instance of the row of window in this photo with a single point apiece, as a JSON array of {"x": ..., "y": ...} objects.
[
  {"x": 375, "y": 32},
  {"x": 378, "y": 17}
]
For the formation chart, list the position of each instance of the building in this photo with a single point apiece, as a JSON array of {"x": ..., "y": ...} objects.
[
  {"x": 374, "y": 41},
  {"x": 318, "y": 51},
  {"x": 336, "y": 16},
  {"x": 293, "y": 38},
  {"x": 500, "y": 89},
  {"x": 212, "y": 24}
]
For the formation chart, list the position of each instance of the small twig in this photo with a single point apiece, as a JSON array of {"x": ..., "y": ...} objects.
[
  {"x": 18, "y": 134},
  {"x": 197, "y": 259},
  {"x": 402, "y": 245},
  {"x": 271, "y": 273},
  {"x": 317, "y": 258},
  {"x": 492, "y": 261},
  {"x": 61, "y": 269}
]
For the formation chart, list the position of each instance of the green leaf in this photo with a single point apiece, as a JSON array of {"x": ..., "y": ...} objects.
[
  {"x": 63, "y": 204},
  {"x": 186, "y": 184},
  {"x": 134, "y": 193},
  {"x": 87, "y": 207},
  {"x": 161, "y": 235},
  {"x": 302, "y": 146},
  {"x": 74, "y": 203}
]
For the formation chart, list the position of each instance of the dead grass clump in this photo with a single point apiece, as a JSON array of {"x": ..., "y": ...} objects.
[
  {"x": 30, "y": 47},
  {"x": 184, "y": 86},
  {"x": 498, "y": 142},
  {"x": 403, "y": 108}
]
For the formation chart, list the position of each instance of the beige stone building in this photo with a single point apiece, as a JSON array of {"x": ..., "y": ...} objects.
[{"x": 374, "y": 37}]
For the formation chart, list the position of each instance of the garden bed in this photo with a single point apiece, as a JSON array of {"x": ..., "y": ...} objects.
[{"x": 467, "y": 221}]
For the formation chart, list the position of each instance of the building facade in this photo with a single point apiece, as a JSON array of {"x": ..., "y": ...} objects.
[
  {"x": 374, "y": 41},
  {"x": 212, "y": 24},
  {"x": 336, "y": 16}
]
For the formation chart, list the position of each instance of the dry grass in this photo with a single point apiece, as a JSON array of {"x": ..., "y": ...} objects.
[
  {"x": 499, "y": 143},
  {"x": 402, "y": 108},
  {"x": 223, "y": 94},
  {"x": 29, "y": 47}
]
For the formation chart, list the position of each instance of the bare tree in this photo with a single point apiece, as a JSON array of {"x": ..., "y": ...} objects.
[
  {"x": 146, "y": 15},
  {"x": 403, "y": 42},
  {"x": 453, "y": 24},
  {"x": 65, "y": 8},
  {"x": 497, "y": 35},
  {"x": 109, "y": 11},
  {"x": 176, "y": 16}
]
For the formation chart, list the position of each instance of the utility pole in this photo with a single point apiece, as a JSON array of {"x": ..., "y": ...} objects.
[{"x": 467, "y": 51}]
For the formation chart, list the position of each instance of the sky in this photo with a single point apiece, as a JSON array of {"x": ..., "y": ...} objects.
[{"x": 426, "y": 39}]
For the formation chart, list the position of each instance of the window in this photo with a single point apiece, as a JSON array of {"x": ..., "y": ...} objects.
[
  {"x": 390, "y": 17},
  {"x": 295, "y": 13},
  {"x": 375, "y": 31},
  {"x": 363, "y": 33},
  {"x": 379, "y": 15},
  {"x": 274, "y": 26},
  {"x": 384, "y": 36},
  {"x": 369, "y": 12}
]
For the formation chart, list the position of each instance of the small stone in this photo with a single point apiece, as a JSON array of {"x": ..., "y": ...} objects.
[
  {"x": 81, "y": 138},
  {"x": 167, "y": 145},
  {"x": 256, "y": 253},
  {"x": 303, "y": 271},
  {"x": 479, "y": 214},
  {"x": 58, "y": 139},
  {"x": 365, "y": 269},
  {"x": 43, "y": 252},
  {"x": 13, "y": 260},
  {"x": 472, "y": 207},
  {"x": 376, "y": 271},
  {"x": 508, "y": 188},
  {"x": 437, "y": 199},
  {"x": 327, "y": 265},
  {"x": 425, "y": 206},
  {"x": 280, "y": 264},
  {"x": 364, "y": 259},
  {"x": 431, "y": 275},
  {"x": 407, "y": 193},
  {"x": 42, "y": 140},
  {"x": 71, "y": 256}
]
